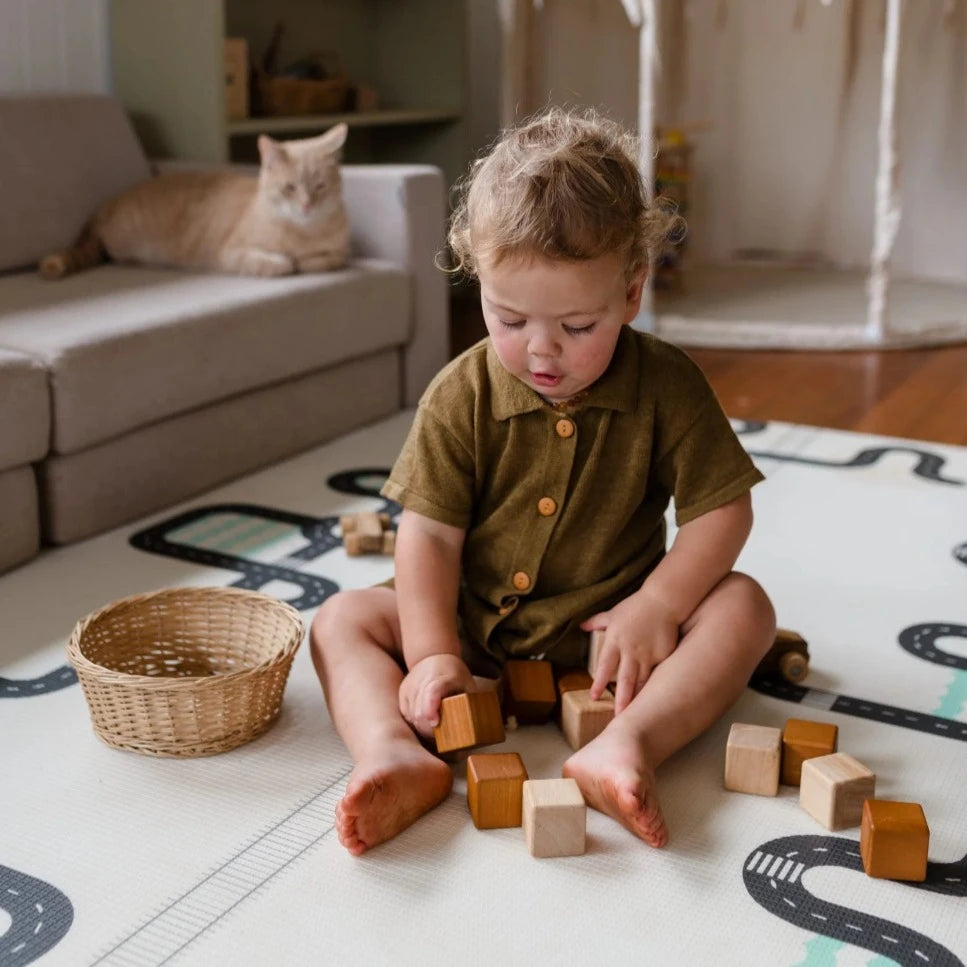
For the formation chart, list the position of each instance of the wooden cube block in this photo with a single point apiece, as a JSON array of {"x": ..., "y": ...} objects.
[
  {"x": 495, "y": 789},
  {"x": 832, "y": 789},
  {"x": 894, "y": 840},
  {"x": 752, "y": 757},
  {"x": 594, "y": 650},
  {"x": 468, "y": 720},
  {"x": 584, "y": 718},
  {"x": 555, "y": 817},
  {"x": 528, "y": 690},
  {"x": 366, "y": 533},
  {"x": 573, "y": 679},
  {"x": 804, "y": 739}
]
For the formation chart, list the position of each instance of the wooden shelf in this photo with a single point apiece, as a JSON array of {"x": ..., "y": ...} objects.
[{"x": 359, "y": 119}]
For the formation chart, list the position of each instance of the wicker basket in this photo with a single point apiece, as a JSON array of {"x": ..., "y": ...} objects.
[
  {"x": 185, "y": 671},
  {"x": 295, "y": 96}
]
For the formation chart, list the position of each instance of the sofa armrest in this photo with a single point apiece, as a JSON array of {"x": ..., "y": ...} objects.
[{"x": 398, "y": 213}]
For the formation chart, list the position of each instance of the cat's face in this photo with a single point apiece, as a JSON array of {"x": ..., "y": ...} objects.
[{"x": 300, "y": 179}]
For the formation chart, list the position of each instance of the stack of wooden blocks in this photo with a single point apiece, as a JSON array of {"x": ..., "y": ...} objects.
[
  {"x": 834, "y": 788},
  {"x": 367, "y": 533},
  {"x": 500, "y": 794}
]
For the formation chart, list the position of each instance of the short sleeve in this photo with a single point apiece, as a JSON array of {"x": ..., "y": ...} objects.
[
  {"x": 706, "y": 466},
  {"x": 434, "y": 473}
]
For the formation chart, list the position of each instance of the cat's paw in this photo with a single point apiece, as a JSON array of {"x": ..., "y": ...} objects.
[{"x": 267, "y": 264}]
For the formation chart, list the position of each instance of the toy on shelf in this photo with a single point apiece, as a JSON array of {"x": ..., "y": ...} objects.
[
  {"x": 752, "y": 757},
  {"x": 469, "y": 719},
  {"x": 495, "y": 789},
  {"x": 833, "y": 788},
  {"x": 804, "y": 739},
  {"x": 788, "y": 658},
  {"x": 555, "y": 817},
  {"x": 894, "y": 840},
  {"x": 367, "y": 533}
]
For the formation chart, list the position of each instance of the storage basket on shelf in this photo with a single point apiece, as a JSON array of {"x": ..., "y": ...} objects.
[
  {"x": 296, "y": 96},
  {"x": 185, "y": 671}
]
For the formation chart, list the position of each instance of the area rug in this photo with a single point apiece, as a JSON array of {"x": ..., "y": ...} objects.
[{"x": 110, "y": 857}]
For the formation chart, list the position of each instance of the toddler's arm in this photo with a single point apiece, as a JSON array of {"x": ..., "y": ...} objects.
[
  {"x": 643, "y": 630},
  {"x": 427, "y": 561}
]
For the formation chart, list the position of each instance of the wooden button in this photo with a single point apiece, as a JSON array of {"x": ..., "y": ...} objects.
[
  {"x": 546, "y": 506},
  {"x": 507, "y": 607},
  {"x": 565, "y": 428},
  {"x": 521, "y": 581}
]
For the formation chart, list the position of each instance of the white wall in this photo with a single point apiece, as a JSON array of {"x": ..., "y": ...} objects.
[{"x": 53, "y": 45}]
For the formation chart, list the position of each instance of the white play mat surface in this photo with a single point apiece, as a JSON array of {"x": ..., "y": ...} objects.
[{"x": 109, "y": 857}]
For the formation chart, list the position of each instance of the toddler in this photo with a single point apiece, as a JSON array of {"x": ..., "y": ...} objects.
[{"x": 534, "y": 483}]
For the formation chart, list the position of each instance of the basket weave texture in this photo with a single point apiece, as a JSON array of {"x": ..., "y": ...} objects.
[
  {"x": 185, "y": 671},
  {"x": 287, "y": 96}
]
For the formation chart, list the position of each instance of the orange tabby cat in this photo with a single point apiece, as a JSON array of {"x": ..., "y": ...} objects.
[{"x": 289, "y": 219}]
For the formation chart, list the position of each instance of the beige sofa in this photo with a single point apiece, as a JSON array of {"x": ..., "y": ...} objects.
[{"x": 125, "y": 389}]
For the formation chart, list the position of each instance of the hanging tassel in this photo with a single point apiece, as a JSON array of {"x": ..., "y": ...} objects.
[{"x": 887, "y": 212}]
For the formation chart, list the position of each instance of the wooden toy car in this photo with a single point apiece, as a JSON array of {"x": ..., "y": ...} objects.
[{"x": 788, "y": 658}]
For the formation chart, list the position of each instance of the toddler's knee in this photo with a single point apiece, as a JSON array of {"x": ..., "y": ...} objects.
[
  {"x": 334, "y": 617},
  {"x": 756, "y": 608}
]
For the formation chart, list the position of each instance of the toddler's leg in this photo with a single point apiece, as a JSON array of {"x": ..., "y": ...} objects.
[
  {"x": 722, "y": 642},
  {"x": 355, "y": 647}
]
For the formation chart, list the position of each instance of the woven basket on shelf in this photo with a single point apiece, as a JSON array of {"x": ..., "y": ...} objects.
[
  {"x": 185, "y": 671},
  {"x": 294, "y": 96}
]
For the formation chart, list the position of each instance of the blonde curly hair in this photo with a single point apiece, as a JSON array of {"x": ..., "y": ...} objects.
[{"x": 562, "y": 185}]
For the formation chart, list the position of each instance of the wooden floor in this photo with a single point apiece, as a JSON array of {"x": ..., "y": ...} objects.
[{"x": 921, "y": 394}]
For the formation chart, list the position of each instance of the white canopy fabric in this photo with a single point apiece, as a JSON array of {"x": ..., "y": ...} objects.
[{"x": 813, "y": 188}]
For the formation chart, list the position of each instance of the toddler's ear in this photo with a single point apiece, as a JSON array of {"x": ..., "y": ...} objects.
[{"x": 633, "y": 294}]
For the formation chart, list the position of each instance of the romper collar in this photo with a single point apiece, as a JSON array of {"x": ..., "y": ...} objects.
[{"x": 617, "y": 389}]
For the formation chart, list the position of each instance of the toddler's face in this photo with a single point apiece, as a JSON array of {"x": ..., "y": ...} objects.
[{"x": 554, "y": 324}]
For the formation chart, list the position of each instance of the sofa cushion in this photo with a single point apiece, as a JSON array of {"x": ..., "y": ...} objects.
[
  {"x": 25, "y": 405},
  {"x": 127, "y": 346},
  {"x": 19, "y": 518},
  {"x": 61, "y": 157}
]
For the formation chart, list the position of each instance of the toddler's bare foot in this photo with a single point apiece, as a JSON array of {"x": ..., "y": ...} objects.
[
  {"x": 616, "y": 778},
  {"x": 387, "y": 793}
]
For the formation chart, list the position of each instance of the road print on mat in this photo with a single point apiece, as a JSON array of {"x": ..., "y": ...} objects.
[
  {"x": 228, "y": 536},
  {"x": 40, "y": 915},
  {"x": 773, "y": 876},
  {"x": 928, "y": 466}
]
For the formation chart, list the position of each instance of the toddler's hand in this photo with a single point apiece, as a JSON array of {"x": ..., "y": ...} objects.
[
  {"x": 640, "y": 632},
  {"x": 427, "y": 684}
]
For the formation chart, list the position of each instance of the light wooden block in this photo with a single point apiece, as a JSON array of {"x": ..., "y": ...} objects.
[
  {"x": 528, "y": 691},
  {"x": 495, "y": 789},
  {"x": 804, "y": 739},
  {"x": 469, "y": 719},
  {"x": 594, "y": 651},
  {"x": 555, "y": 817},
  {"x": 366, "y": 533},
  {"x": 894, "y": 840},
  {"x": 752, "y": 757},
  {"x": 584, "y": 718},
  {"x": 832, "y": 789}
]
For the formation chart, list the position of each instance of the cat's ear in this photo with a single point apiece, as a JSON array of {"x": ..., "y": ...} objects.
[
  {"x": 334, "y": 138},
  {"x": 271, "y": 152}
]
